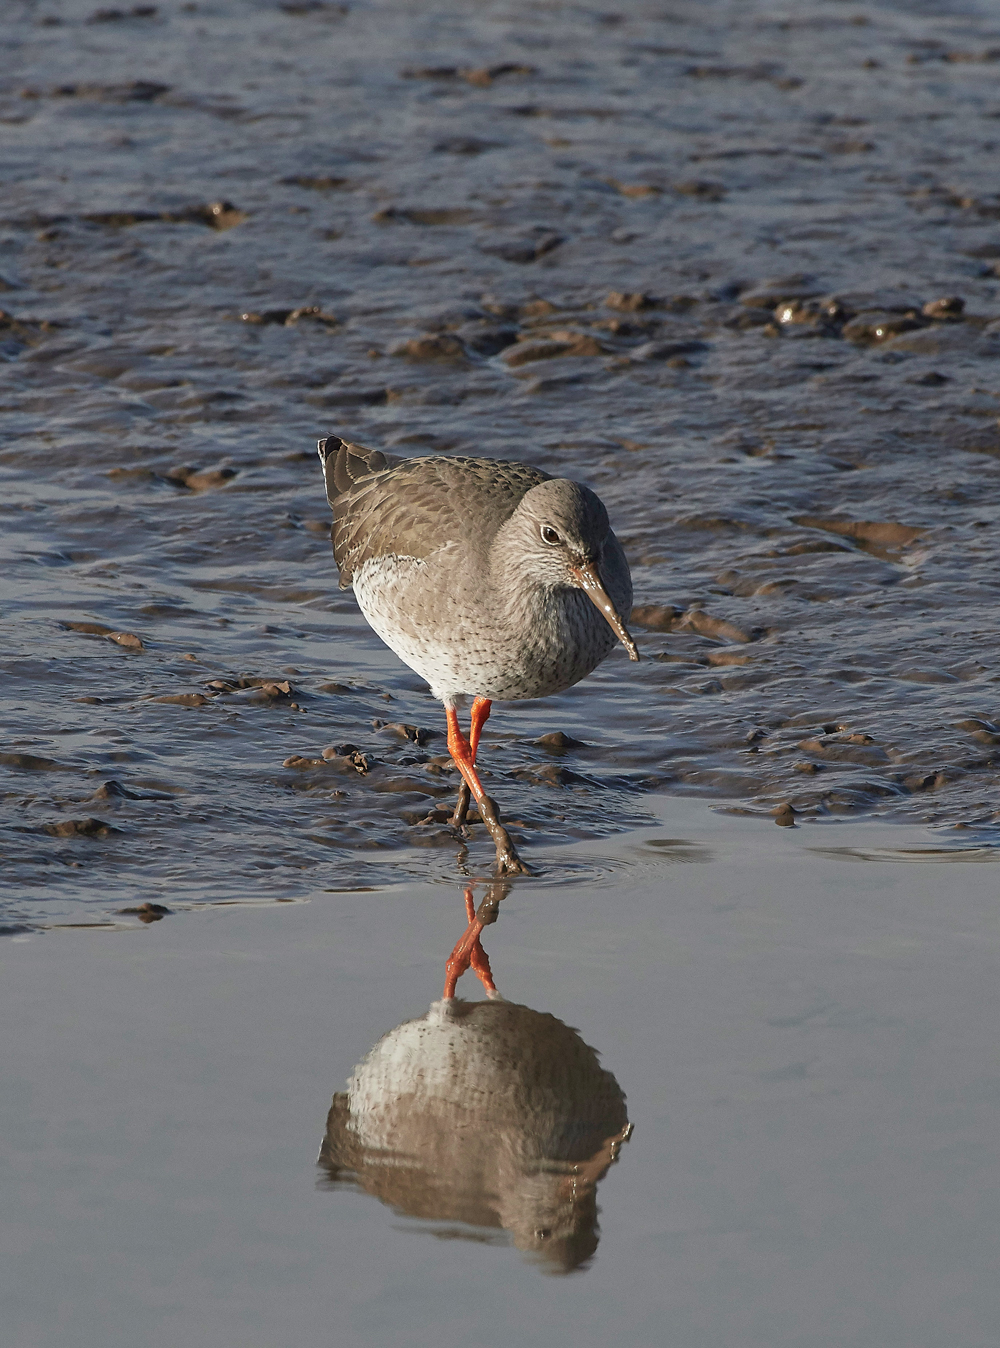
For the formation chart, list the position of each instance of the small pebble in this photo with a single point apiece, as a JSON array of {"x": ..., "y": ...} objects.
[
  {"x": 147, "y": 912},
  {"x": 83, "y": 828},
  {"x": 631, "y": 301},
  {"x": 558, "y": 739},
  {"x": 950, "y": 306},
  {"x": 655, "y": 617}
]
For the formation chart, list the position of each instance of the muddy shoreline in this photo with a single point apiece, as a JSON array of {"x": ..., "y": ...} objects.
[{"x": 735, "y": 268}]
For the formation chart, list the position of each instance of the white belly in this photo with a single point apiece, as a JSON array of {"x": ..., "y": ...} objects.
[
  {"x": 421, "y": 609},
  {"x": 398, "y": 600}
]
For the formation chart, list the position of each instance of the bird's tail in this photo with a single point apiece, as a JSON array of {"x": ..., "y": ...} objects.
[{"x": 345, "y": 464}]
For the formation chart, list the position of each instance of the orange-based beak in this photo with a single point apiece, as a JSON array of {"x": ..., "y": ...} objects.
[{"x": 590, "y": 583}]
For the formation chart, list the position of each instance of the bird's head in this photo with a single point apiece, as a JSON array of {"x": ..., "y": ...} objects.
[{"x": 566, "y": 540}]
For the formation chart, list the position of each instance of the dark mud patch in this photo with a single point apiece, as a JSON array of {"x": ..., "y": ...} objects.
[{"x": 711, "y": 263}]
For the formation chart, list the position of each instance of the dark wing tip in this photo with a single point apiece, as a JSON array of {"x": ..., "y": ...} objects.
[
  {"x": 327, "y": 446},
  {"x": 345, "y": 464}
]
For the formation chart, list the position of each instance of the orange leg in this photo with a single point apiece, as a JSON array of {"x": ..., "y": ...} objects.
[
  {"x": 480, "y": 715},
  {"x": 469, "y": 950},
  {"x": 508, "y": 862}
]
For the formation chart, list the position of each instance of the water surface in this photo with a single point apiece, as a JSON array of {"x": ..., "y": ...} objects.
[
  {"x": 736, "y": 267},
  {"x": 806, "y": 1042},
  {"x": 682, "y": 254}
]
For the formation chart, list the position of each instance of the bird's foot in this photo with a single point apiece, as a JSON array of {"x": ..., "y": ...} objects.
[{"x": 508, "y": 861}]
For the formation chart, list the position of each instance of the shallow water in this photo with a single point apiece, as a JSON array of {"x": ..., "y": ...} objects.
[
  {"x": 811, "y": 503},
  {"x": 806, "y": 1042},
  {"x": 683, "y": 254}
]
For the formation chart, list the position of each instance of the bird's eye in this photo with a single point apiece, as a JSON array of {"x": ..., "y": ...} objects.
[{"x": 549, "y": 535}]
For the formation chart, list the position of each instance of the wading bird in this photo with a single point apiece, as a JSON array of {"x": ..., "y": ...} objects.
[{"x": 491, "y": 580}]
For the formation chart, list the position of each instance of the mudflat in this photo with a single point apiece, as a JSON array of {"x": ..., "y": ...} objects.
[{"x": 736, "y": 268}]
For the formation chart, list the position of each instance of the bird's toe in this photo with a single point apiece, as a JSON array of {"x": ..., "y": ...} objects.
[{"x": 509, "y": 863}]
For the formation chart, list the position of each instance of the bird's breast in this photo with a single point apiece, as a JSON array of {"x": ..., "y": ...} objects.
[
  {"x": 467, "y": 635},
  {"x": 557, "y": 638}
]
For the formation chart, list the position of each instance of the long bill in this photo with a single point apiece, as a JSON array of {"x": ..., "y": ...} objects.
[{"x": 590, "y": 583}]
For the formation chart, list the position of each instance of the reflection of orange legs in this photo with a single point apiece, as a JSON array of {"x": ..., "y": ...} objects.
[
  {"x": 463, "y": 753},
  {"x": 469, "y": 950}
]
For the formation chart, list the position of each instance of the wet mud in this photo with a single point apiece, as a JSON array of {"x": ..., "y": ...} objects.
[{"x": 735, "y": 267}]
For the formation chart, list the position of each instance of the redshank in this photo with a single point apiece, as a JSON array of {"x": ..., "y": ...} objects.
[{"x": 490, "y": 579}]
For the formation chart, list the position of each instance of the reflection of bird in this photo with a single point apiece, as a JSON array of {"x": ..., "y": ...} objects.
[
  {"x": 492, "y": 580},
  {"x": 486, "y": 1113}
]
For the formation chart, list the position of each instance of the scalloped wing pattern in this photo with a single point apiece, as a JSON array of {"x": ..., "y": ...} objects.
[{"x": 412, "y": 507}]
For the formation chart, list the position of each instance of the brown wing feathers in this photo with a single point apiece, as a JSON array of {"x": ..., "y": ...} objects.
[
  {"x": 344, "y": 464},
  {"x": 386, "y": 506}
]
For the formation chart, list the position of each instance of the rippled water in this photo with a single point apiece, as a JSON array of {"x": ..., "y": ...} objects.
[{"x": 680, "y": 253}]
